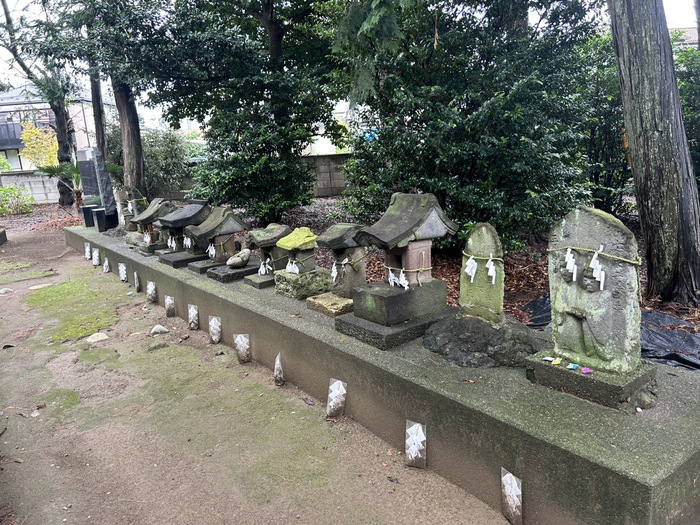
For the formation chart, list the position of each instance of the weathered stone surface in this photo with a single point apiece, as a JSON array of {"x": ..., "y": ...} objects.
[
  {"x": 349, "y": 272},
  {"x": 159, "y": 329},
  {"x": 339, "y": 236},
  {"x": 386, "y": 337},
  {"x": 329, "y": 304},
  {"x": 224, "y": 274},
  {"x": 303, "y": 285},
  {"x": 300, "y": 239},
  {"x": 409, "y": 217},
  {"x": 203, "y": 266},
  {"x": 301, "y": 261},
  {"x": 390, "y": 305},
  {"x": 595, "y": 321},
  {"x": 239, "y": 260},
  {"x": 268, "y": 236},
  {"x": 413, "y": 260},
  {"x": 193, "y": 213},
  {"x": 474, "y": 342},
  {"x": 221, "y": 221},
  {"x": 481, "y": 294},
  {"x": 157, "y": 208},
  {"x": 181, "y": 259},
  {"x": 613, "y": 390},
  {"x": 260, "y": 281},
  {"x": 96, "y": 338}
]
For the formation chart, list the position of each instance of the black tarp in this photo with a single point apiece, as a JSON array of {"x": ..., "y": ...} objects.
[{"x": 661, "y": 345}]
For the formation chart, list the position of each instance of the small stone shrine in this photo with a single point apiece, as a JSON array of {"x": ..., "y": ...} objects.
[
  {"x": 348, "y": 271},
  {"x": 174, "y": 223},
  {"x": 481, "y": 279},
  {"x": 213, "y": 241},
  {"x": 402, "y": 307},
  {"x": 301, "y": 278},
  {"x": 593, "y": 283},
  {"x": 480, "y": 335},
  {"x": 272, "y": 258},
  {"x": 146, "y": 219}
]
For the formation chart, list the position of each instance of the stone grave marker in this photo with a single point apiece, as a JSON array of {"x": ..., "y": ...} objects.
[
  {"x": 272, "y": 258},
  {"x": 151, "y": 239},
  {"x": 594, "y": 290},
  {"x": 481, "y": 280},
  {"x": 301, "y": 278}
]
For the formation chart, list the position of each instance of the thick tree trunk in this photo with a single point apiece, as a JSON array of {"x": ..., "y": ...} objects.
[
  {"x": 98, "y": 112},
  {"x": 64, "y": 134},
  {"x": 667, "y": 195},
  {"x": 134, "y": 182}
]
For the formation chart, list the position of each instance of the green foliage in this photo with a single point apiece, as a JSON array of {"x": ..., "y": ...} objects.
[
  {"x": 14, "y": 199},
  {"x": 602, "y": 124},
  {"x": 165, "y": 158},
  {"x": 4, "y": 164},
  {"x": 687, "y": 62},
  {"x": 474, "y": 107}
]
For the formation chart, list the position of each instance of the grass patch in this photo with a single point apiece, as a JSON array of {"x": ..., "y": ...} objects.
[
  {"x": 6, "y": 266},
  {"x": 97, "y": 356},
  {"x": 80, "y": 309},
  {"x": 60, "y": 400},
  {"x": 25, "y": 276}
]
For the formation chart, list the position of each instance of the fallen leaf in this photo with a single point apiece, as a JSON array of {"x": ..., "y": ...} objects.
[{"x": 309, "y": 401}]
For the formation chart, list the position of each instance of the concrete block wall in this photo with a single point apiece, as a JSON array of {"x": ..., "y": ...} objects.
[
  {"x": 43, "y": 189},
  {"x": 330, "y": 181}
]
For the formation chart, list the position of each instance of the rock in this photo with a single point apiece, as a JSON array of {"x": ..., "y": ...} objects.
[
  {"x": 96, "y": 338},
  {"x": 278, "y": 372},
  {"x": 6, "y": 291},
  {"x": 239, "y": 260},
  {"x": 303, "y": 285},
  {"x": 40, "y": 286},
  {"x": 159, "y": 329},
  {"x": 473, "y": 342}
]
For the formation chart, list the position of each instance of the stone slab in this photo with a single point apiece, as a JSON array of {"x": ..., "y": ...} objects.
[
  {"x": 260, "y": 281},
  {"x": 202, "y": 266},
  {"x": 302, "y": 285},
  {"x": 579, "y": 462},
  {"x": 224, "y": 274},
  {"x": 3, "y": 236},
  {"x": 329, "y": 304},
  {"x": 611, "y": 390},
  {"x": 388, "y": 305},
  {"x": 150, "y": 249},
  {"x": 181, "y": 259},
  {"x": 385, "y": 337}
]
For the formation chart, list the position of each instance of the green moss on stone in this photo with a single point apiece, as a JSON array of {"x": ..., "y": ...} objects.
[{"x": 7, "y": 266}]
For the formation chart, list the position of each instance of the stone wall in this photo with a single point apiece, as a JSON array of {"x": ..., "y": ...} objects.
[
  {"x": 330, "y": 181},
  {"x": 43, "y": 189}
]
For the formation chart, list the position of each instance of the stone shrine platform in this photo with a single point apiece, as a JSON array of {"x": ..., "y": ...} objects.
[{"x": 579, "y": 462}]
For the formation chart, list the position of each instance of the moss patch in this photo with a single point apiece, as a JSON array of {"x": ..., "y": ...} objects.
[
  {"x": 6, "y": 266},
  {"x": 98, "y": 356},
  {"x": 60, "y": 400},
  {"x": 25, "y": 276},
  {"x": 81, "y": 308}
]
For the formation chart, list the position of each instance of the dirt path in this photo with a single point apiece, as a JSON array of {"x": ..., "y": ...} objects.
[{"x": 171, "y": 429}]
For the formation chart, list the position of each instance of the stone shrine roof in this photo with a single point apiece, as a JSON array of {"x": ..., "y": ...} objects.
[
  {"x": 300, "y": 239},
  {"x": 268, "y": 236},
  {"x": 157, "y": 209},
  {"x": 339, "y": 236},
  {"x": 192, "y": 214},
  {"x": 409, "y": 217},
  {"x": 221, "y": 221}
]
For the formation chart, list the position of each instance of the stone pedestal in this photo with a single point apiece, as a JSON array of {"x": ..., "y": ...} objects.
[
  {"x": 260, "y": 281},
  {"x": 201, "y": 267},
  {"x": 88, "y": 221},
  {"x": 611, "y": 390},
  {"x": 225, "y": 274},
  {"x": 181, "y": 259},
  {"x": 391, "y": 305},
  {"x": 303, "y": 285},
  {"x": 329, "y": 304}
]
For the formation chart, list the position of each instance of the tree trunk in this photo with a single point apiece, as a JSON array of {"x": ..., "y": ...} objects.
[
  {"x": 64, "y": 132},
  {"x": 667, "y": 195},
  {"x": 134, "y": 182},
  {"x": 98, "y": 112}
]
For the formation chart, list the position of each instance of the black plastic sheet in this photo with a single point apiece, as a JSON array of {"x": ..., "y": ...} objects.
[{"x": 662, "y": 345}]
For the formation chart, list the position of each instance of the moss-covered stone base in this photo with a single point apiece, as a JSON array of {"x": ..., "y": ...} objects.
[
  {"x": 329, "y": 304},
  {"x": 611, "y": 390},
  {"x": 303, "y": 285}
]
